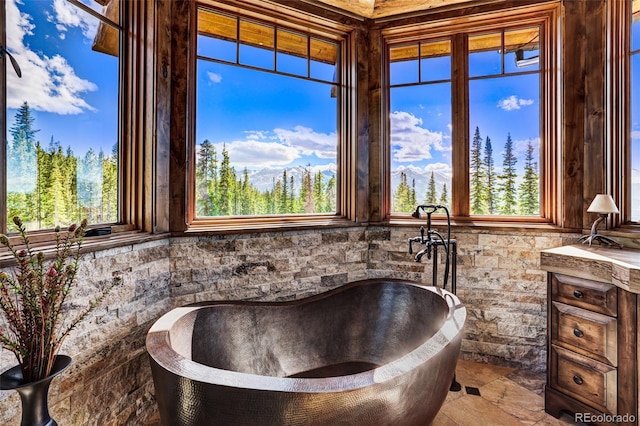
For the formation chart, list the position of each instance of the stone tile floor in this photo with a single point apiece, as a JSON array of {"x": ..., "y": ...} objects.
[{"x": 507, "y": 397}]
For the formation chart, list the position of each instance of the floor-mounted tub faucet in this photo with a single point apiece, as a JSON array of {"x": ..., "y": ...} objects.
[{"x": 432, "y": 238}]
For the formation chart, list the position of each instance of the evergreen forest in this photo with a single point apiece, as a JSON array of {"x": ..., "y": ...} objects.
[
  {"x": 490, "y": 192},
  {"x": 49, "y": 186},
  {"x": 222, "y": 191}
]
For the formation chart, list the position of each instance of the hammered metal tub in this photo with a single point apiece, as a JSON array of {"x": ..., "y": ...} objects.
[{"x": 373, "y": 352}]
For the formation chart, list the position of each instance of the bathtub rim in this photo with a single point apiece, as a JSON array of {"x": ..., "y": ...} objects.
[{"x": 161, "y": 352}]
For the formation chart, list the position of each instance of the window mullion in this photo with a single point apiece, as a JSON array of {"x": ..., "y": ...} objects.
[{"x": 460, "y": 122}]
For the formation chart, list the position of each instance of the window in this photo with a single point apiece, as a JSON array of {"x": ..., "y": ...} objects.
[
  {"x": 267, "y": 127},
  {"x": 635, "y": 112},
  {"x": 467, "y": 109},
  {"x": 61, "y": 157}
]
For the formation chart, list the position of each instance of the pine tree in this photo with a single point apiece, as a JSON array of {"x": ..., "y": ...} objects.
[
  {"x": 43, "y": 183},
  {"x": 284, "y": 195},
  {"x": 490, "y": 173},
  {"x": 206, "y": 179},
  {"x": 508, "y": 177},
  {"x": 245, "y": 194},
  {"x": 110, "y": 186},
  {"x": 291, "y": 208},
  {"x": 22, "y": 163},
  {"x": 306, "y": 192},
  {"x": 70, "y": 183},
  {"x": 331, "y": 196},
  {"x": 413, "y": 200},
  {"x": 529, "y": 189},
  {"x": 432, "y": 193},
  {"x": 444, "y": 197},
  {"x": 319, "y": 195},
  {"x": 90, "y": 185},
  {"x": 402, "y": 195},
  {"x": 225, "y": 185},
  {"x": 477, "y": 178}
]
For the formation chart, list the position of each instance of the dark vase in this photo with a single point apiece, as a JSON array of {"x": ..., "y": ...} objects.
[{"x": 35, "y": 407}]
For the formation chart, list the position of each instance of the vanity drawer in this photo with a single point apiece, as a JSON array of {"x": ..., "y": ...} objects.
[
  {"x": 589, "y": 381},
  {"x": 593, "y": 295},
  {"x": 586, "y": 332}
]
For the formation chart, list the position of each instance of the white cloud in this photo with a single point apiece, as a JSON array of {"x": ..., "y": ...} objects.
[
  {"x": 520, "y": 147},
  {"x": 69, "y": 16},
  {"x": 214, "y": 77},
  {"x": 49, "y": 84},
  {"x": 256, "y": 134},
  {"x": 280, "y": 147},
  {"x": 443, "y": 168},
  {"x": 253, "y": 153},
  {"x": 635, "y": 134},
  {"x": 308, "y": 142},
  {"x": 513, "y": 102},
  {"x": 412, "y": 142}
]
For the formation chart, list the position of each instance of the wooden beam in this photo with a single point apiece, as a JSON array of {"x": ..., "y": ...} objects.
[
  {"x": 573, "y": 59},
  {"x": 224, "y": 27}
]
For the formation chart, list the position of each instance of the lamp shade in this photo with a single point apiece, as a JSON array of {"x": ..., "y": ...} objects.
[{"x": 603, "y": 204}]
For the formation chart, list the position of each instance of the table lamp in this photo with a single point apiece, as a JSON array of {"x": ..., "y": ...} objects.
[{"x": 602, "y": 204}]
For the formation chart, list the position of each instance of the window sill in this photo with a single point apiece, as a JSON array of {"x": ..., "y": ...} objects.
[
  {"x": 89, "y": 245},
  {"x": 265, "y": 224},
  {"x": 484, "y": 224}
]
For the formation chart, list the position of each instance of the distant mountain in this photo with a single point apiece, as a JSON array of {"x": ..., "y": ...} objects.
[
  {"x": 422, "y": 180},
  {"x": 263, "y": 179}
]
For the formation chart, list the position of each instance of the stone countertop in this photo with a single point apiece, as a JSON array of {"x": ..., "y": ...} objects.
[{"x": 620, "y": 267}]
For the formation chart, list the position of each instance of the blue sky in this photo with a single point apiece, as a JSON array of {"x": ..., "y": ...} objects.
[
  {"x": 421, "y": 115},
  {"x": 265, "y": 119},
  {"x": 71, "y": 90}
]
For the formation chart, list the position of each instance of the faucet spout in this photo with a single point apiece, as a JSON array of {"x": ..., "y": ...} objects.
[{"x": 421, "y": 253}]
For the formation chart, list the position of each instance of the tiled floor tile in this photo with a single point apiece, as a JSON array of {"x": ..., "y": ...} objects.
[
  {"x": 508, "y": 397},
  {"x": 477, "y": 374},
  {"x": 526, "y": 406},
  {"x": 533, "y": 381},
  {"x": 475, "y": 410}
]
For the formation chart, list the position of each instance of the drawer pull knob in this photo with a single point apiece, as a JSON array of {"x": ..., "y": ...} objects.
[
  {"x": 577, "y": 332},
  {"x": 578, "y": 294},
  {"x": 578, "y": 380}
]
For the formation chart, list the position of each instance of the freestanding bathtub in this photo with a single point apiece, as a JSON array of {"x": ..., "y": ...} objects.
[{"x": 372, "y": 352}]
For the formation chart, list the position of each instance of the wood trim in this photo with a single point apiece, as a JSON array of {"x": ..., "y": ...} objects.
[
  {"x": 573, "y": 62},
  {"x": 365, "y": 55},
  {"x": 180, "y": 50},
  {"x": 353, "y": 147},
  {"x": 618, "y": 111},
  {"x": 460, "y": 131},
  {"x": 546, "y": 16},
  {"x": 464, "y": 12},
  {"x": 595, "y": 158},
  {"x": 162, "y": 127},
  {"x": 628, "y": 354}
]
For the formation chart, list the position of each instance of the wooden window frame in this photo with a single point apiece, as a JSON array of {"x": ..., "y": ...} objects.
[
  {"x": 618, "y": 113},
  {"x": 307, "y": 23},
  {"x": 143, "y": 133},
  {"x": 546, "y": 16}
]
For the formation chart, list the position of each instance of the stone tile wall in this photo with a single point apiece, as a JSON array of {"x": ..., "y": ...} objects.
[
  {"x": 498, "y": 279},
  {"x": 109, "y": 382}
]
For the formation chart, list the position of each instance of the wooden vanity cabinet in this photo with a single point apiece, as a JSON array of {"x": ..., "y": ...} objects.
[{"x": 592, "y": 358}]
